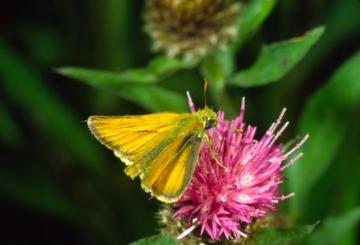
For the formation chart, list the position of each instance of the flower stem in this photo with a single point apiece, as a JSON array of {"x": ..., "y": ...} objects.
[{"x": 214, "y": 71}]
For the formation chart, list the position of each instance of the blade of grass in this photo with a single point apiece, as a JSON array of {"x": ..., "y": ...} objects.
[
  {"x": 332, "y": 231},
  {"x": 252, "y": 16},
  {"x": 27, "y": 88},
  {"x": 37, "y": 192},
  {"x": 346, "y": 192},
  {"x": 214, "y": 70},
  {"x": 325, "y": 118}
]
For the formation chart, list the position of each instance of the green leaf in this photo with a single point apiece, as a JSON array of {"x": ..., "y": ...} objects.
[
  {"x": 332, "y": 231},
  {"x": 161, "y": 239},
  {"x": 138, "y": 85},
  {"x": 325, "y": 118},
  {"x": 149, "y": 96},
  {"x": 157, "y": 70},
  {"x": 154, "y": 98},
  {"x": 339, "y": 198},
  {"x": 276, "y": 60},
  {"x": 280, "y": 236},
  {"x": 27, "y": 88},
  {"x": 342, "y": 24},
  {"x": 252, "y": 16},
  {"x": 345, "y": 195}
]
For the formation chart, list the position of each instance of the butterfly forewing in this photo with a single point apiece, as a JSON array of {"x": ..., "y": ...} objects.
[
  {"x": 162, "y": 148},
  {"x": 130, "y": 137}
]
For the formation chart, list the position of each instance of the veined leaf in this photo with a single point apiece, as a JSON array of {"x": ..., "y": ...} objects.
[{"x": 276, "y": 60}]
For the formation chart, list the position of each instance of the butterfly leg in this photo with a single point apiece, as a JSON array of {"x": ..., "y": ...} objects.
[{"x": 212, "y": 150}]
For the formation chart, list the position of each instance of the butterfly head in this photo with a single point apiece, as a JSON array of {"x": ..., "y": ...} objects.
[{"x": 207, "y": 117}]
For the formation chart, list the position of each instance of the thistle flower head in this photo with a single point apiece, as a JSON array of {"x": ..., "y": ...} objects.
[
  {"x": 236, "y": 180},
  {"x": 191, "y": 28}
]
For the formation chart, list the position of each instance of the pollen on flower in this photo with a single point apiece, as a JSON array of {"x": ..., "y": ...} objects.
[
  {"x": 191, "y": 29},
  {"x": 246, "y": 179},
  {"x": 223, "y": 198}
]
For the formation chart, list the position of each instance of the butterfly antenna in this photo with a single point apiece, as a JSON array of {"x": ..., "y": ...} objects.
[{"x": 205, "y": 90}]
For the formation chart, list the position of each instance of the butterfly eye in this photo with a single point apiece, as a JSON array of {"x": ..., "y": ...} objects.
[{"x": 209, "y": 123}]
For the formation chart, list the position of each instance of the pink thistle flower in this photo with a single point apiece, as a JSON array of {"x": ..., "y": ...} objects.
[{"x": 236, "y": 179}]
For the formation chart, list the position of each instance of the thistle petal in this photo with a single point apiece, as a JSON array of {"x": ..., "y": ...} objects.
[{"x": 225, "y": 198}]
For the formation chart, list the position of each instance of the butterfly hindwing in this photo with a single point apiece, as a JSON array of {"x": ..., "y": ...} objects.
[{"x": 170, "y": 173}]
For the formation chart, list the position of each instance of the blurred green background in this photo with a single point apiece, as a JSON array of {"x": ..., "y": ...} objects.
[{"x": 58, "y": 185}]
